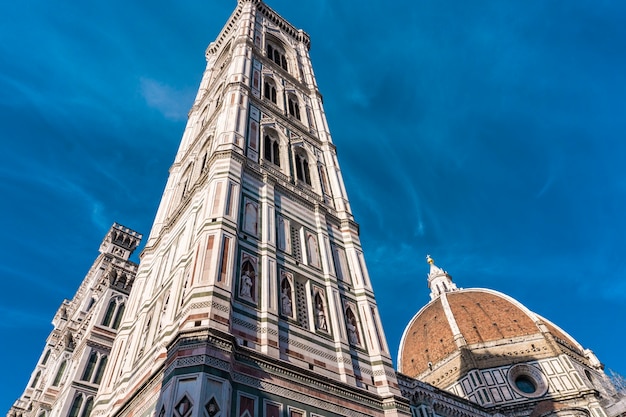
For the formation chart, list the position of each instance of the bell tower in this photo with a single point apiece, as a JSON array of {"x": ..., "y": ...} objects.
[{"x": 252, "y": 296}]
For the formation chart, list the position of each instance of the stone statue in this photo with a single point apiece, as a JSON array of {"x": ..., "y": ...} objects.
[
  {"x": 319, "y": 316},
  {"x": 285, "y": 299},
  {"x": 246, "y": 285},
  {"x": 353, "y": 336}
]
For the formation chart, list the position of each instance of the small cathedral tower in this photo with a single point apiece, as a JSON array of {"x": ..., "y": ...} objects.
[
  {"x": 70, "y": 369},
  {"x": 252, "y": 297}
]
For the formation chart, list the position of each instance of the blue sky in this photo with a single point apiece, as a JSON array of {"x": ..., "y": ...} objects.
[{"x": 489, "y": 134}]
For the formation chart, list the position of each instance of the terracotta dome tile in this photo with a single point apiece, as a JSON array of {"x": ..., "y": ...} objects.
[{"x": 428, "y": 339}]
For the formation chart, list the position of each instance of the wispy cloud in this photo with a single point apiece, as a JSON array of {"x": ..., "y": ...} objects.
[{"x": 172, "y": 103}]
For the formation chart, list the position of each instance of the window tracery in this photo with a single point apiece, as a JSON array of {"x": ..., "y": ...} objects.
[
  {"x": 293, "y": 106},
  {"x": 277, "y": 55},
  {"x": 302, "y": 168},
  {"x": 269, "y": 90},
  {"x": 271, "y": 149}
]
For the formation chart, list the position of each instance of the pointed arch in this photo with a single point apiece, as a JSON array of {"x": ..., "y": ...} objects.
[
  {"x": 271, "y": 149},
  {"x": 59, "y": 374},
  {"x": 320, "y": 311},
  {"x": 87, "y": 407},
  {"x": 247, "y": 282},
  {"x": 36, "y": 380},
  {"x": 101, "y": 368},
  {"x": 118, "y": 316},
  {"x": 276, "y": 51},
  {"x": 269, "y": 89},
  {"x": 303, "y": 173},
  {"x": 91, "y": 364},
  {"x": 286, "y": 295},
  {"x": 76, "y": 405},
  {"x": 46, "y": 357},
  {"x": 293, "y": 106},
  {"x": 353, "y": 327},
  {"x": 109, "y": 313}
]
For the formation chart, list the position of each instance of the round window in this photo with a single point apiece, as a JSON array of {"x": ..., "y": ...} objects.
[
  {"x": 527, "y": 380},
  {"x": 525, "y": 384}
]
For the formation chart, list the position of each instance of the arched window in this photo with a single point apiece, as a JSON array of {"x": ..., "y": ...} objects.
[
  {"x": 293, "y": 106},
  {"x": 100, "y": 371},
  {"x": 109, "y": 313},
  {"x": 45, "y": 357},
  {"x": 59, "y": 375},
  {"x": 278, "y": 56},
  {"x": 36, "y": 379},
  {"x": 118, "y": 316},
  {"x": 87, "y": 408},
  {"x": 114, "y": 313},
  {"x": 91, "y": 364},
  {"x": 271, "y": 150},
  {"x": 75, "y": 409},
  {"x": 269, "y": 90},
  {"x": 302, "y": 169}
]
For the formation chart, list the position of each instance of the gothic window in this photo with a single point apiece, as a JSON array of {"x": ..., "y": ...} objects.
[
  {"x": 277, "y": 56},
  {"x": 118, "y": 316},
  {"x": 91, "y": 364},
  {"x": 109, "y": 313},
  {"x": 269, "y": 90},
  {"x": 59, "y": 375},
  {"x": 271, "y": 150},
  {"x": 302, "y": 169},
  {"x": 293, "y": 106},
  {"x": 76, "y": 405},
  {"x": 286, "y": 295},
  {"x": 114, "y": 313},
  {"x": 45, "y": 357},
  {"x": 87, "y": 408},
  {"x": 100, "y": 371},
  {"x": 35, "y": 380},
  {"x": 97, "y": 363}
]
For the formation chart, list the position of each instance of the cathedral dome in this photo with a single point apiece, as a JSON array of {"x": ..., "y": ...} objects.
[{"x": 465, "y": 329}]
